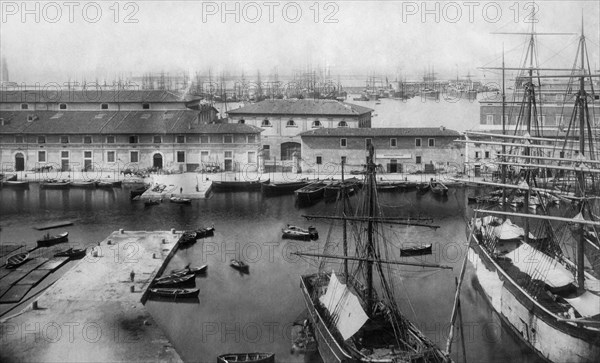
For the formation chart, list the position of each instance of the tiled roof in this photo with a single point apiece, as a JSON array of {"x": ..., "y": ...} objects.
[
  {"x": 92, "y": 95},
  {"x": 113, "y": 122},
  {"x": 301, "y": 107},
  {"x": 381, "y": 131}
]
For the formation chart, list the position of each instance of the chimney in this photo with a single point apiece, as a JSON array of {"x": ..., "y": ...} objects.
[{"x": 442, "y": 128}]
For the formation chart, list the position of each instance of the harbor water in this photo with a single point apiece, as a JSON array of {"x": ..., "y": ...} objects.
[{"x": 256, "y": 311}]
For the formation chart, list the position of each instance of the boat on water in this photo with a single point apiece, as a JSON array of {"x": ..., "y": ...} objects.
[
  {"x": 179, "y": 200},
  {"x": 246, "y": 358},
  {"x": 187, "y": 239},
  {"x": 351, "y": 320},
  {"x": 438, "y": 188},
  {"x": 72, "y": 253},
  {"x": 17, "y": 260},
  {"x": 281, "y": 188},
  {"x": 109, "y": 184},
  {"x": 137, "y": 192},
  {"x": 175, "y": 293},
  {"x": 239, "y": 265},
  {"x": 191, "y": 270},
  {"x": 310, "y": 193},
  {"x": 16, "y": 183},
  {"x": 332, "y": 190},
  {"x": 422, "y": 188},
  {"x": 177, "y": 280},
  {"x": 543, "y": 293},
  {"x": 294, "y": 232},
  {"x": 55, "y": 184},
  {"x": 237, "y": 185},
  {"x": 205, "y": 232},
  {"x": 83, "y": 184},
  {"x": 151, "y": 202},
  {"x": 49, "y": 240},
  {"x": 416, "y": 250}
]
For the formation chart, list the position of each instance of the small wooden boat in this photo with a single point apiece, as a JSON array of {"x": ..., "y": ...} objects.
[
  {"x": 283, "y": 187},
  {"x": 17, "y": 259},
  {"x": 333, "y": 189},
  {"x": 178, "y": 280},
  {"x": 239, "y": 265},
  {"x": 247, "y": 357},
  {"x": 310, "y": 193},
  {"x": 438, "y": 187},
  {"x": 53, "y": 184},
  {"x": 72, "y": 253},
  {"x": 294, "y": 232},
  {"x": 386, "y": 187},
  {"x": 188, "y": 238},
  {"x": 150, "y": 202},
  {"x": 137, "y": 192},
  {"x": 180, "y": 200},
  {"x": 205, "y": 232},
  {"x": 176, "y": 293},
  {"x": 16, "y": 183},
  {"x": 83, "y": 184},
  {"x": 416, "y": 250},
  {"x": 422, "y": 188},
  {"x": 190, "y": 270},
  {"x": 109, "y": 184},
  {"x": 237, "y": 185},
  {"x": 49, "y": 240}
]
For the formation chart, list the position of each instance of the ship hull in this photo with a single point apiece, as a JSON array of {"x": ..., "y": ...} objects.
[{"x": 534, "y": 325}]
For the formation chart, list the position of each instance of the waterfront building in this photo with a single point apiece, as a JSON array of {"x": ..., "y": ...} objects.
[
  {"x": 397, "y": 150},
  {"x": 284, "y": 120}
]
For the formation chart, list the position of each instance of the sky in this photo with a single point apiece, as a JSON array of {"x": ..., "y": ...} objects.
[{"x": 55, "y": 41}]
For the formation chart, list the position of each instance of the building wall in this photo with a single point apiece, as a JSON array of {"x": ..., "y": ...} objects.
[
  {"x": 549, "y": 115},
  {"x": 242, "y": 149},
  {"x": 91, "y": 106},
  {"x": 446, "y": 154}
]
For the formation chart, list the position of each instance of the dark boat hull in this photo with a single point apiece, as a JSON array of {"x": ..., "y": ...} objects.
[
  {"x": 246, "y": 358},
  {"x": 53, "y": 240},
  {"x": 55, "y": 185},
  {"x": 310, "y": 193},
  {"x": 237, "y": 186},
  {"x": 282, "y": 188},
  {"x": 416, "y": 251},
  {"x": 16, "y": 184},
  {"x": 175, "y": 293}
]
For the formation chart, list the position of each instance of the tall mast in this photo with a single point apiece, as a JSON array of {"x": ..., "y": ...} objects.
[
  {"x": 344, "y": 199},
  {"x": 503, "y": 131},
  {"x": 581, "y": 97},
  {"x": 370, "y": 247}
]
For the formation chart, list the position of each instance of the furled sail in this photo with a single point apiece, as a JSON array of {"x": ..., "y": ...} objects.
[
  {"x": 344, "y": 307},
  {"x": 587, "y": 304},
  {"x": 534, "y": 262}
]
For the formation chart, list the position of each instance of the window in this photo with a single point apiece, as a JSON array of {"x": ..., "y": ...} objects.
[
  {"x": 110, "y": 156},
  {"x": 41, "y": 139},
  {"x": 251, "y": 157},
  {"x": 19, "y": 139},
  {"x": 134, "y": 139},
  {"x": 181, "y": 156},
  {"x": 316, "y": 123},
  {"x": 393, "y": 142},
  {"x": 62, "y": 106},
  {"x": 87, "y": 139},
  {"x": 487, "y": 154},
  {"x": 104, "y": 106},
  {"x": 204, "y": 139},
  {"x": 368, "y": 143},
  {"x": 251, "y": 139},
  {"x": 110, "y": 139},
  {"x": 343, "y": 160},
  {"x": 41, "y": 156},
  {"x": 342, "y": 124},
  {"x": 228, "y": 154},
  {"x": 477, "y": 154},
  {"x": 489, "y": 119},
  {"x": 291, "y": 123},
  {"x": 418, "y": 160},
  {"x": 146, "y": 106},
  {"x": 180, "y": 139},
  {"x": 64, "y": 139},
  {"x": 418, "y": 142},
  {"x": 266, "y": 152},
  {"x": 266, "y": 123},
  {"x": 558, "y": 120},
  {"x": 343, "y": 142},
  {"x": 242, "y": 121},
  {"x": 542, "y": 120},
  {"x": 64, "y": 154},
  {"x": 24, "y": 106},
  {"x": 87, "y": 154},
  {"x": 134, "y": 156},
  {"x": 228, "y": 139},
  {"x": 319, "y": 160},
  {"x": 431, "y": 142},
  {"x": 157, "y": 139}
]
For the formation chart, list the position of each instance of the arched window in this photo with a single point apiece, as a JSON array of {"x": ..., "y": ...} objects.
[
  {"x": 266, "y": 123},
  {"x": 342, "y": 124},
  {"x": 242, "y": 121},
  {"x": 316, "y": 123},
  {"x": 291, "y": 123}
]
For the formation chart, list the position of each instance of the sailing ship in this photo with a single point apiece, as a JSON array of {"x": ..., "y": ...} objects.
[
  {"x": 351, "y": 321},
  {"x": 549, "y": 301}
]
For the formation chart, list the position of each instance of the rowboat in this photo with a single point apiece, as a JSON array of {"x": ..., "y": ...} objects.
[
  {"x": 310, "y": 193},
  {"x": 205, "y": 232},
  {"x": 418, "y": 250},
  {"x": 49, "y": 240},
  {"x": 180, "y": 200},
  {"x": 191, "y": 270},
  {"x": 239, "y": 265},
  {"x": 17, "y": 260},
  {"x": 150, "y": 202},
  {"x": 438, "y": 187},
  {"x": 294, "y": 232},
  {"x": 422, "y": 187},
  {"x": 109, "y": 184},
  {"x": 53, "y": 184},
  {"x": 179, "y": 280},
  {"x": 283, "y": 187},
  {"x": 175, "y": 293},
  {"x": 83, "y": 184},
  {"x": 237, "y": 185},
  {"x": 72, "y": 253},
  {"x": 247, "y": 357},
  {"x": 16, "y": 183}
]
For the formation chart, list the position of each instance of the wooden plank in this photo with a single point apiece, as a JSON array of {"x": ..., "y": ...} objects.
[
  {"x": 15, "y": 294},
  {"x": 53, "y": 263},
  {"x": 34, "y": 277},
  {"x": 13, "y": 277},
  {"x": 32, "y": 264},
  {"x": 50, "y": 225},
  {"x": 6, "y": 250},
  {"x": 4, "y": 271}
]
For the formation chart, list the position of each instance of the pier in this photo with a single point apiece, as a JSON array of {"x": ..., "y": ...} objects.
[{"x": 95, "y": 311}]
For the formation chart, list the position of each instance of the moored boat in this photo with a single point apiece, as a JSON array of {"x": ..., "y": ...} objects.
[
  {"x": 137, "y": 192},
  {"x": 310, "y": 193},
  {"x": 205, "y": 232},
  {"x": 55, "y": 184},
  {"x": 151, "y": 202},
  {"x": 175, "y": 293},
  {"x": 72, "y": 253},
  {"x": 177, "y": 280},
  {"x": 438, "y": 188},
  {"x": 83, "y": 184},
  {"x": 17, "y": 259},
  {"x": 191, "y": 270},
  {"x": 109, "y": 184},
  {"x": 239, "y": 265},
  {"x": 246, "y": 358},
  {"x": 294, "y": 232},
  {"x": 237, "y": 185},
  {"x": 16, "y": 183},
  {"x": 282, "y": 187},
  {"x": 180, "y": 200},
  {"x": 49, "y": 240},
  {"x": 422, "y": 188}
]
